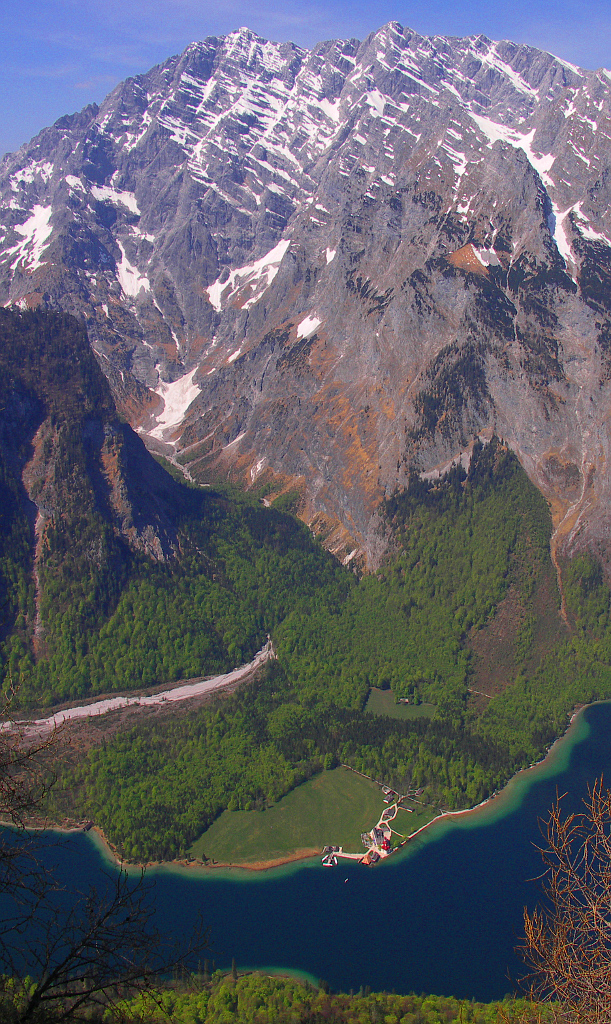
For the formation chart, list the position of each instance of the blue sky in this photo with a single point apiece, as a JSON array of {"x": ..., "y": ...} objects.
[{"x": 58, "y": 55}]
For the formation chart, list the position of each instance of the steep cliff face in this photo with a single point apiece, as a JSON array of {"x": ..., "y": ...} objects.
[
  {"x": 70, "y": 462},
  {"x": 323, "y": 269}
]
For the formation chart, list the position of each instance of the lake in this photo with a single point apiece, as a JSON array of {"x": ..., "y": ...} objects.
[{"x": 442, "y": 916}]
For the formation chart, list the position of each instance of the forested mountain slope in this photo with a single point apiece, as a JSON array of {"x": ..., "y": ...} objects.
[
  {"x": 155, "y": 788},
  {"x": 115, "y": 575}
]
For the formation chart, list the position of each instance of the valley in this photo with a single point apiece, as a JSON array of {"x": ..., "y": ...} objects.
[
  {"x": 304, "y": 477},
  {"x": 305, "y": 918},
  {"x": 142, "y": 580}
]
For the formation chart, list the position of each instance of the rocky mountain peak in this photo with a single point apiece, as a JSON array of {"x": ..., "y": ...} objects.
[{"x": 322, "y": 269}]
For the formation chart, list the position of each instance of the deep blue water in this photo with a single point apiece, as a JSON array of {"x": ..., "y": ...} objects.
[{"x": 444, "y": 917}]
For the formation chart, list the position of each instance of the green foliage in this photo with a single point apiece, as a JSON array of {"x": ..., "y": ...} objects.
[
  {"x": 335, "y": 806},
  {"x": 240, "y": 571},
  {"x": 16, "y": 584},
  {"x": 464, "y": 541},
  {"x": 290, "y": 501},
  {"x": 259, "y": 999},
  {"x": 262, "y": 999},
  {"x": 577, "y": 671},
  {"x": 99, "y": 616}
]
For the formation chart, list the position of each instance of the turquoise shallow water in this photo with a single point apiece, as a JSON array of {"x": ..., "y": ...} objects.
[{"x": 443, "y": 916}]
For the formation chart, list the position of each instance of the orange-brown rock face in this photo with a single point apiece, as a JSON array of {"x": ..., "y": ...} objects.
[{"x": 330, "y": 268}]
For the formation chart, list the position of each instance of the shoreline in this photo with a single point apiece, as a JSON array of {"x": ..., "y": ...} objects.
[
  {"x": 262, "y": 865},
  {"x": 304, "y": 855},
  {"x": 502, "y": 794},
  {"x": 183, "y": 863}
]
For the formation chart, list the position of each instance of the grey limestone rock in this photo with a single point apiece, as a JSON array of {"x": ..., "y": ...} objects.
[{"x": 331, "y": 267}]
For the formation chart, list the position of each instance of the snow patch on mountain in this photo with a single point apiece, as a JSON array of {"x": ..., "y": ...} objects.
[
  {"x": 257, "y": 469},
  {"x": 585, "y": 228},
  {"x": 307, "y": 327},
  {"x": 493, "y": 60},
  {"x": 572, "y": 67},
  {"x": 500, "y": 133},
  {"x": 459, "y": 161},
  {"x": 36, "y": 168},
  {"x": 376, "y": 102},
  {"x": 74, "y": 183},
  {"x": 129, "y": 277},
  {"x": 177, "y": 398},
  {"x": 555, "y": 222},
  {"x": 104, "y": 193},
  {"x": 256, "y": 277},
  {"x": 133, "y": 138},
  {"x": 36, "y": 230},
  {"x": 330, "y": 109},
  {"x": 138, "y": 233},
  {"x": 487, "y": 257}
]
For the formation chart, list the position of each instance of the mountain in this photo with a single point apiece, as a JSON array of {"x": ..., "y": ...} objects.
[
  {"x": 63, "y": 445},
  {"x": 81, "y": 495},
  {"x": 114, "y": 577},
  {"x": 113, "y": 574},
  {"x": 317, "y": 271}
]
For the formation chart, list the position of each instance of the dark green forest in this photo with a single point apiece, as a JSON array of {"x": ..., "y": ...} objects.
[
  {"x": 257, "y": 999},
  {"x": 219, "y": 998},
  {"x": 114, "y": 576}
]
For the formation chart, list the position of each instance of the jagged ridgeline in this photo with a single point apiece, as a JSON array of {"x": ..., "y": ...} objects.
[{"x": 313, "y": 270}]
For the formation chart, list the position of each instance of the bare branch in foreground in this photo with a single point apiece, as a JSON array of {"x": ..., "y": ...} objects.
[
  {"x": 103, "y": 947},
  {"x": 568, "y": 939},
  {"x": 64, "y": 954}
]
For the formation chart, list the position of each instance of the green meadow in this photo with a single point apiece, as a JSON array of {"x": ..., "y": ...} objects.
[
  {"x": 331, "y": 809},
  {"x": 382, "y": 702}
]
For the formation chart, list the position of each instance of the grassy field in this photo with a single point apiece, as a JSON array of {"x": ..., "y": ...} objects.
[
  {"x": 406, "y": 824},
  {"x": 382, "y": 702},
  {"x": 333, "y": 808}
]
